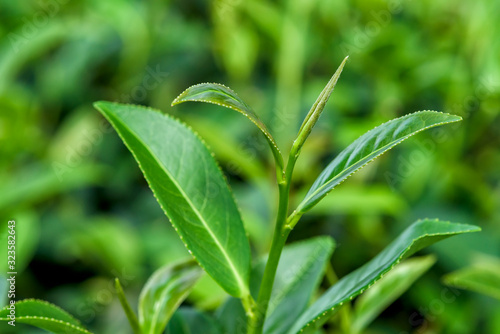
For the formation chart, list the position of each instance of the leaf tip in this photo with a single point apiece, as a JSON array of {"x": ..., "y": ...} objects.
[
  {"x": 176, "y": 101},
  {"x": 98, "y": 104}
]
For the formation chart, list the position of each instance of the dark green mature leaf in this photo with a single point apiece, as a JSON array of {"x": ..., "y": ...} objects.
[
  {"x": 163, "y": 293},
  {"x": 131, "y": 317},
  {"x": 192, "y": 321},
  {"x": 482, "y": 276},
  {"x": 300, "y": 269},
  {"x": 368, "y": 147},
  {"x": 384, "y": 292},
  {"x": 44, "y": 315},
  {"x": 224, "y": 96},
  {"x": 419, "y": 235},
  {"x": 190, "y": 188}
]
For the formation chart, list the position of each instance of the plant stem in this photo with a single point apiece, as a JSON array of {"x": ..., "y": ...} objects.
[
  {"x": 256, "y": 324},
  {"x": 281, "y": 232}
]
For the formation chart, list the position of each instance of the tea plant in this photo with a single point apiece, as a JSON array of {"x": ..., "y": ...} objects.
[{"x": 272, "y": 295}]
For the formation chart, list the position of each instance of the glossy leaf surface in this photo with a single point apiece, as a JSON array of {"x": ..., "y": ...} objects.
[
  {"x": 163, "y": 293},
  {"x": 44, "y": 315},
  {"x": 419, "y": 235},
  {"x": 384, "y": 292},
  {"x": 224, "y": 96},
  {"x": 190, "y": 188},
  {"x": 368, "y": 147}
]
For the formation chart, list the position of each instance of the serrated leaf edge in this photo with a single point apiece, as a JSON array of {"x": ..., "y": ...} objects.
[
  {"x": 23, "y": 301},
  {"x": 80, "y": 329},
  {"x": 262, "y": 127},
  {"x": 401, "y": 256},
  {"x": 151, "y": 187},
  {"x": 381, "y": 150}
]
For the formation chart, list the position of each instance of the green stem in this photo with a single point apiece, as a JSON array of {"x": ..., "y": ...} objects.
[
  {"x": 256, "y": 324},
  {"x": 281, "y": 232}
]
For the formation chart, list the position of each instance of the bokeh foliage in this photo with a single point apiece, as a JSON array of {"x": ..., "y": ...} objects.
[{"x": 86, "y": 215}]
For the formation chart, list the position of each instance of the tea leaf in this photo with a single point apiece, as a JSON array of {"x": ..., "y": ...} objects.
[
  {"x": 317, "y": 108},
  {"x": 190, "y": 188},
  {"x": 224, "y": 96},
  {"x": 44, "y": 315},
  {"x": 384, "y": 292},
  {"x": 163, "y": 293},
  {"x": 421, "y": 234},
  {"x": 368, "y": 147}
]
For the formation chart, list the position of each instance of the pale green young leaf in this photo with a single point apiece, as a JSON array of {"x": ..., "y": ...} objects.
[
  {"x": 317, "y": 108},
  {"x": 224, "y": 96},
  {"x": 419, "y": 235},
  {"x": 44, "y": 315},
  {"x": 384, "y": 292},
  {"x": 482, "y": 276},
  {"x": 368, "y": 147},
  {"x": 131, "y": 317},
  {"x": 190, "y": 188},
  {"x": 164, "y": 292},
  {"x": 191, "y": 321}
]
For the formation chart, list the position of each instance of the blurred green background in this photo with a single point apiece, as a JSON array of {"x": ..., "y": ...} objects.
[{"x": 85, "y": 214}]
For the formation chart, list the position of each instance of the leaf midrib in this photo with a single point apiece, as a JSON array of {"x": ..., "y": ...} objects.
[{"x": 198, "y": 214}]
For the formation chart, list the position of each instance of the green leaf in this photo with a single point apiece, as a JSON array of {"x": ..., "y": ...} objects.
[
  {"x": 44, "y": 315},
  {"x": 482, "y": 276},
  {"x": 191, "y": 321},
  {"x": 384, "y": 292},
  {"x": 190, "y": 188},
  {"x": 300, "y": 269},
  {"x": 317, "y": 108},
  {"x": 419, "y": 235},
  {"x": 132, "y": 318},
  {"x": 224, "y": 96},
  {"x": 368, "y": 147},
  {"x": 164, "y": 292}
]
